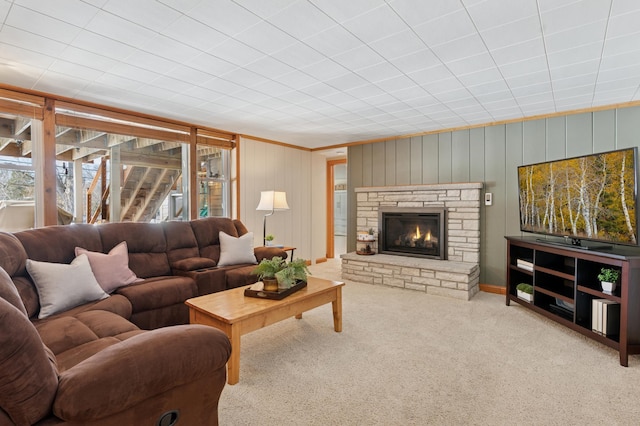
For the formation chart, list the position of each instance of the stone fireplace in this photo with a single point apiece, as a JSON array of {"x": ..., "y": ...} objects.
[
  {"x": 417, "y": 232},
  {"x": 454, "y": 272}
]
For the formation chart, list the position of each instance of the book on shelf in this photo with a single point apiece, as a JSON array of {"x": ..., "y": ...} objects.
[
  {"x": 524, "y": 264},
  {"x": 605, "y": 317}
]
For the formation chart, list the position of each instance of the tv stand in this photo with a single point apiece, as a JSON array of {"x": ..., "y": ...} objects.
[
  {"x": 576, "y": 243},
  {"x": 565, "y": 285}
]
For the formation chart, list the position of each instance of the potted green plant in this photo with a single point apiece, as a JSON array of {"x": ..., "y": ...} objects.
[
  {"x": 294, "y": 271},
  {"x": 269, "y": 239},
  {"x": 267, "y": 270},
  {"x": 525, "y": 292},
  {"x": 608, "y": 278}
]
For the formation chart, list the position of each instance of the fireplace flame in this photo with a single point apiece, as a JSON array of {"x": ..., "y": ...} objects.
[
  {"x": 417, "y": 233},
  {"x": 428, "y": 237}
]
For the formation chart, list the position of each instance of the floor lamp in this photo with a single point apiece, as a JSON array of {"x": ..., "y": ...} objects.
[{"x": 271, "y": 201}]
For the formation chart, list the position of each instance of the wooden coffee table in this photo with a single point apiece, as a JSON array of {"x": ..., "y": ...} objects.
[{"x": 235, "y": 314}]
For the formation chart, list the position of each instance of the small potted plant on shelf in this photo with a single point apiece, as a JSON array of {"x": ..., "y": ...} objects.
[
  {"x": 267, "y": 270},
  {"x": 370, "y": 235},
  {"x": 525, "y": 292},
  {"x": 269, "y": 239},
  {"x": 293, "y": 272},
  {"x": 608, "y": 278}
]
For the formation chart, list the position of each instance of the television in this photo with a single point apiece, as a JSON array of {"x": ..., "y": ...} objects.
[{"x": 591, "y": 197}]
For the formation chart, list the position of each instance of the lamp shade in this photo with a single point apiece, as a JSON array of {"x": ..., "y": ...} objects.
[{"x": 273, "y": 200}]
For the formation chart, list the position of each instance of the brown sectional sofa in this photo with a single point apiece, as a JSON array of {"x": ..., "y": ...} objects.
[{"x": 121, "y": 359}]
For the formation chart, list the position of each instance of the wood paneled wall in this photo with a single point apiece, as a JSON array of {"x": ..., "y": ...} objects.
[
  {"x": 267, "y": 166},
  {"x": 491, "y": 155}
]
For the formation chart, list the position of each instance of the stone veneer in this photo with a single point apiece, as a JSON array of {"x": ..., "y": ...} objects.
[{"x": 458, "y": 276}]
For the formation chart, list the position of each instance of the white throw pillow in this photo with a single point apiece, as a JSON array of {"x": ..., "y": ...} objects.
[
  {"x": 61, "y": 286},
  {"x": 236, "y": 251}
]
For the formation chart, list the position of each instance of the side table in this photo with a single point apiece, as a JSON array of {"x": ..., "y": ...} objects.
[{"x": 286, "y": 248}]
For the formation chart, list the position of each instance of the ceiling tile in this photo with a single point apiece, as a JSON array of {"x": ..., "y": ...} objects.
[
  {"x": 236, "y": 52},
  {"x": 416, "y": 61},
  {"x": 83, "y": 57},
  {"x": 188, "y": 74},
  {"x": 621, "y": 45},
  {"x": 347, "y": 81},
  {"x": 29, "y": 41},
  {"x": 460, "y": 48},
  {"x": 494, "y": 13},
  {"x": 76, "y": 70},
  {"x": 199, "y": 35},
  {"x": 119, "y": 29},
  {"x": 42, "y": 25},
  {"x": 101, "y": 45},
  {"x": 377, "y": 72},
  {"x": 360, "y": 57},
  {"x": 298, "y": 55},
  {"x": 577, "y": 36},
  {"x": 519, "y": 52},
  {"x": 573, "y": 70},
  {"x": 150, "y": 14},
  {"x": 574, "y": 56},
  {"x": 74, "y": 12},
  {"x": 301, "y": 19},
  {"x": 418, "y": 12},
  {"x": 575, "y": 14},
  {"x": 340, "y": 10},
  {"x": 266, "y": 38},
  {"x": 524, "y": 67},
  {"x": 512, "y": 33},
  {"x": 397, "y": 45},
  {"x": 16, "y": 58},
  {"x": 332, "y": 41},
  {"x": 325, "y": 69},
  {"x": 210, "y": 64},
  {"x": 375, "y": 24},
  {"x": 225, "y": 16},
  {"x": 471, "y": 64},
  {"x": 447, "y": 28}
]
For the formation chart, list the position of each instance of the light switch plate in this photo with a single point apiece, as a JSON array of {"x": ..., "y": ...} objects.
[{"x": 488, "y": 199}]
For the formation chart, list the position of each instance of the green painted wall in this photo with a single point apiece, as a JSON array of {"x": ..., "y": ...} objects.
[{"x": 490, "y": 155}]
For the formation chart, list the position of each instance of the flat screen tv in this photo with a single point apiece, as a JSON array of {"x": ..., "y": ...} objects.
[{"x": 592, "y": 197}]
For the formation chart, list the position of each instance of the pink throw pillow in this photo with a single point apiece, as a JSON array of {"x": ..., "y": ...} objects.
[{"x": 111, "y": 270}]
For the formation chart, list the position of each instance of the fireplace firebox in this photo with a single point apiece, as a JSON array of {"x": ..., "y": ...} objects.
[{"x": 417, "y": 232}]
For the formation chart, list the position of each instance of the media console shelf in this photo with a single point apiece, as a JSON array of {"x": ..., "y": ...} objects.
[{"x": 565, "y": 284}]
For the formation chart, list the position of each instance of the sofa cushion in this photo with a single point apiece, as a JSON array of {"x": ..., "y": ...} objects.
[
  {"x": 207, "y": 233},
  {"x": 236, "y": 250},
  {"x": 193, "y": 263},
  {"x": 181, "y": 241},
  {"x": 9, "y": 292},
  {"x": 111, "y": 270},
  {"x": 13, "y": 257},
  {"x": 146, "y": 244},
  {"x": 28, "y": 375},
  {"x": 61, "y": 286},
  {"x": 58, "y": 243},
  {"x": 238, "y": 277},
  {"x": 158, "y": 292}
]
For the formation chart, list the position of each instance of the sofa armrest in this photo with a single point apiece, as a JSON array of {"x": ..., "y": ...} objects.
[
  {"x": 193, "y": 264},
  {"x": 268, "y": 253},
  {"x": 141, "y": 367}
]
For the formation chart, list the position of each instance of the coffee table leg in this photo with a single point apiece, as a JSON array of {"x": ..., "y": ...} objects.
[
  {"x": 337, "y": 310},
  {"x": 233, "y": 365}
]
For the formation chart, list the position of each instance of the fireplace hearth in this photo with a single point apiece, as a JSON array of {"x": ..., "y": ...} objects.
[{"x": 417, "y": 232}]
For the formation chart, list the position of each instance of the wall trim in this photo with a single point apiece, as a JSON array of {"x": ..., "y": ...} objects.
[{"x": 495, "y": 289}]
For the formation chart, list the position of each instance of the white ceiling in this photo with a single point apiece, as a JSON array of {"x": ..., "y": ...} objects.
[{"x": 317, "y": 73}]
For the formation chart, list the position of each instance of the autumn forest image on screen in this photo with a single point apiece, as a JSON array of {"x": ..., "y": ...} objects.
[{"x": 591, "y": 197}]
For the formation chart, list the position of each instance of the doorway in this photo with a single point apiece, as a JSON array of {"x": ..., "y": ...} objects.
[{"x": 336, "y": 207}]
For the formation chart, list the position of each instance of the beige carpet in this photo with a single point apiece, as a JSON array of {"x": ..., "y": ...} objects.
[{"x": 406, "y": 358}]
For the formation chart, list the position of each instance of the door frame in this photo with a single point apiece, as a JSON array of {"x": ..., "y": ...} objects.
[{"x": 330, "y": 201}]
